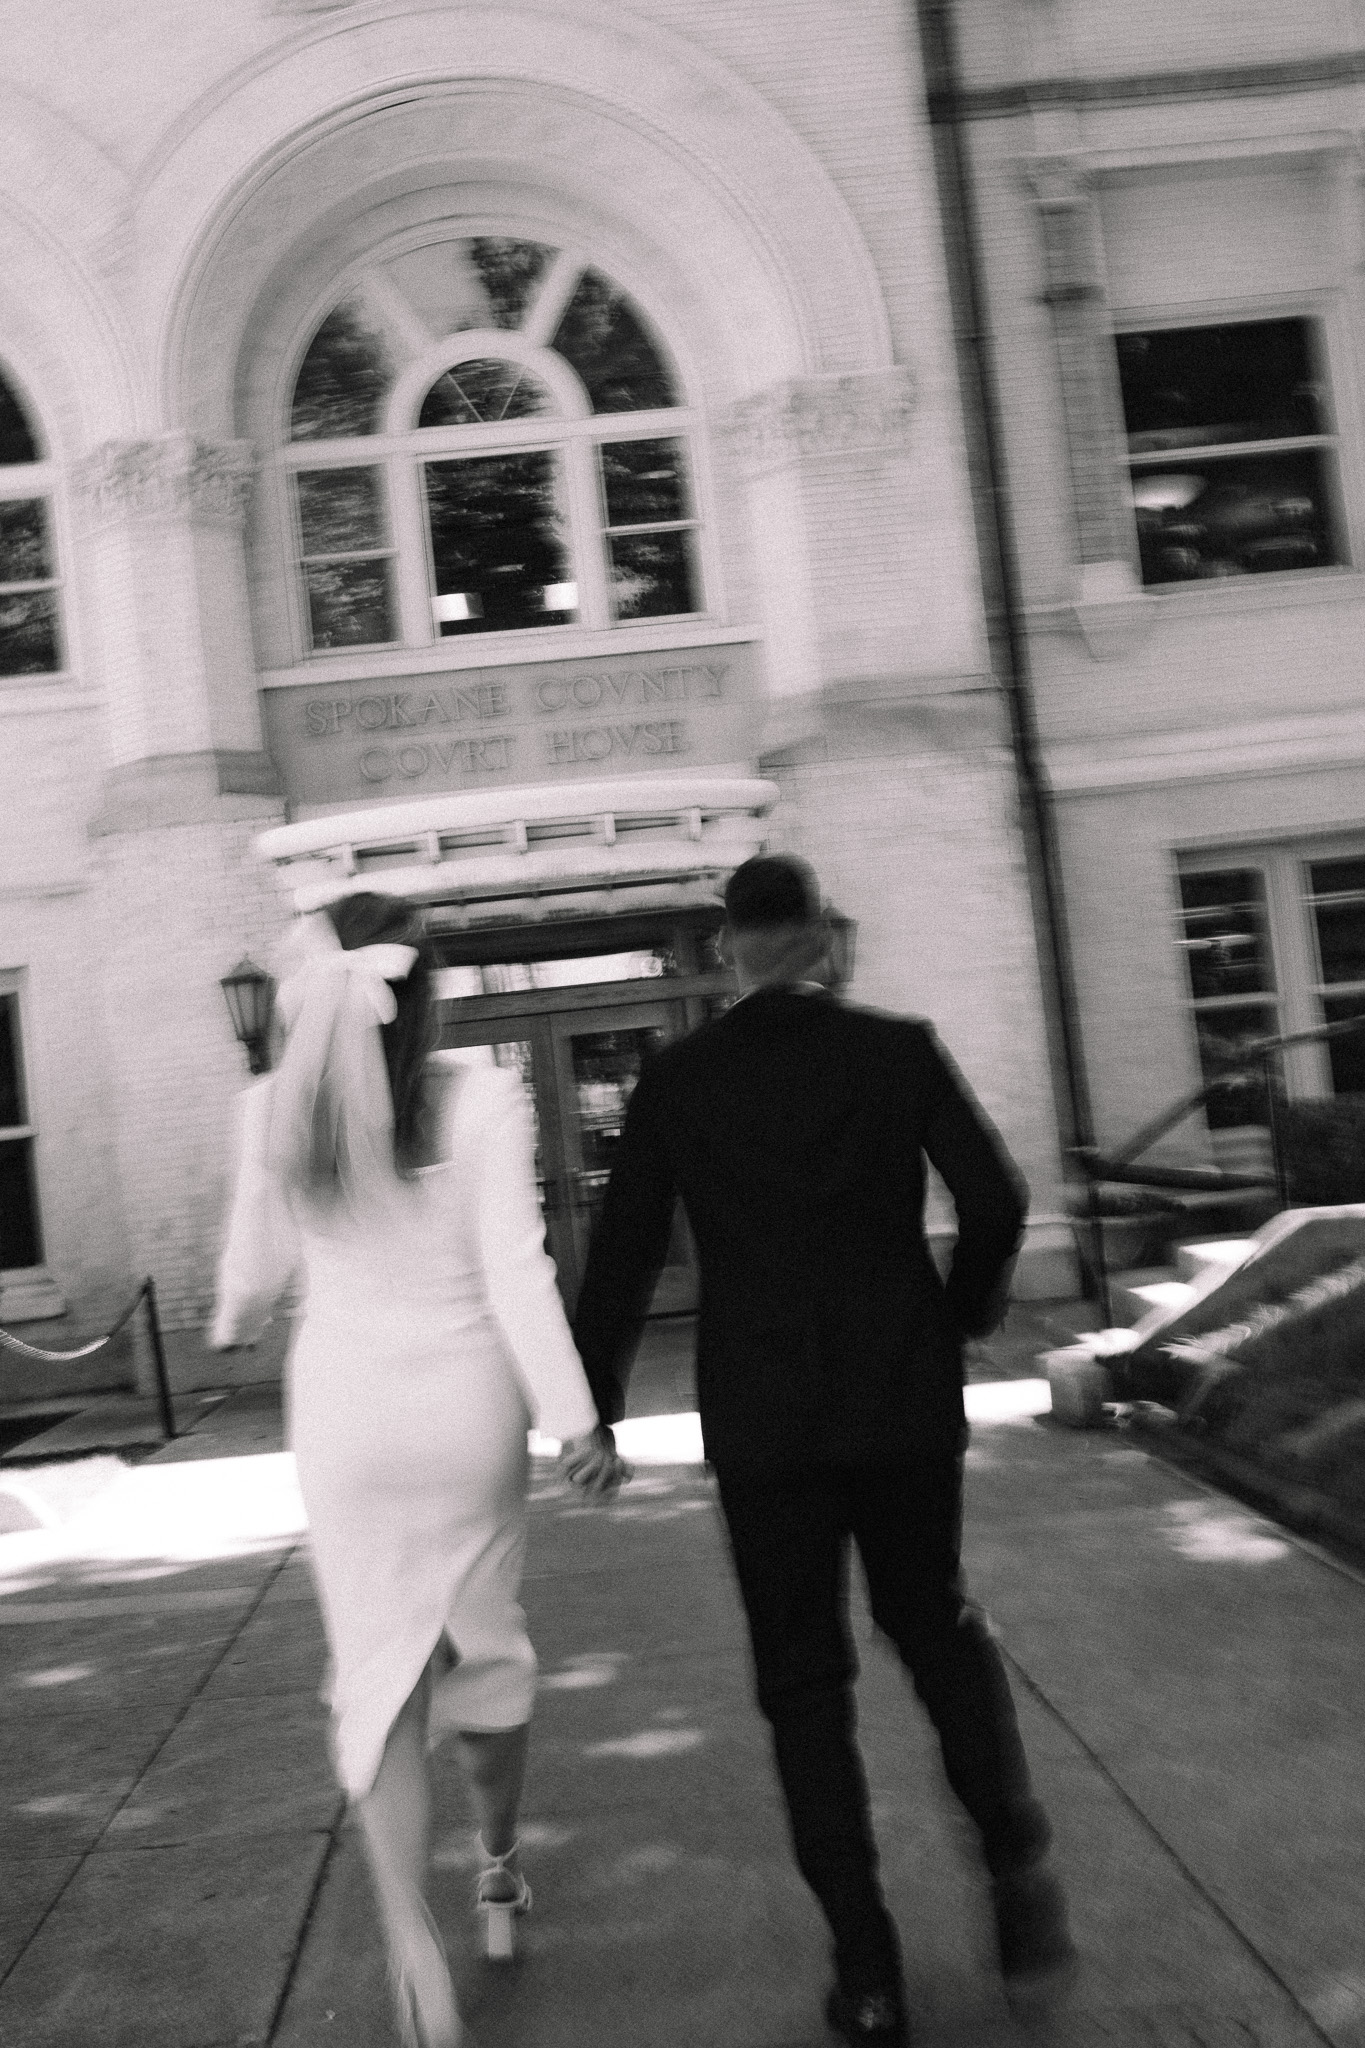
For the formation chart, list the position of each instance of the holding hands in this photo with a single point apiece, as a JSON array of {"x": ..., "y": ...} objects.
[{"x": 593, "y": 1464}]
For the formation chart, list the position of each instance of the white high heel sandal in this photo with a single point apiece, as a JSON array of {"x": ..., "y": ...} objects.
[{"x": 501, "y": 1914}]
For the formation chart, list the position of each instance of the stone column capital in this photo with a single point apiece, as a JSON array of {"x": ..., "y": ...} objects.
[
  {"x": 840, "y": 414},
  {"x": 166, "y": 476}
]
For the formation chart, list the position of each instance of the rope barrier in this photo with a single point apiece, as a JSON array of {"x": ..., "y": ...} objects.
[
  {"x": 12, "y": 1343},
  {"x": 145, "y": 1293}
]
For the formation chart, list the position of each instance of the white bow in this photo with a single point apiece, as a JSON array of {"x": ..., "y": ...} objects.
[{"x": 331, "y": 1116}]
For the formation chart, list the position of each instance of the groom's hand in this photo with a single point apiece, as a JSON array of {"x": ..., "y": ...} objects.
[{"x": 593, "y": 1464}]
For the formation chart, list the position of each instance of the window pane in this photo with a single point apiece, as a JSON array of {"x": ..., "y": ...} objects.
[
  {"x": 12, "y": 1110},
  {"x": 510, "y": 272},
  {"x": 602, "y": 338},
  {"x": 1341, "y": 939},
  {"x": 484, "y": 390},
  {"x": 455, "y": 285},
  {"x": 1190, "y": 387},
  {"x": 1347, "y": 1053},
  {"x": 20, "y": 1240},
  {"x": 653, "y": 574},
  {"x": 24, "y": 553},
  {"x": 18, "y": 443},
  {"x": 343, "y": 378},
  {"x": 645, "y": 482},
  {"x": 1240, "y": 517},
  {"x": 350, "y": 604},
  {"x": 1225, "y": 940},
  {"x": 1331, "y": 877},
  {"x": 498, "y": 544},
  {"x": 1223, "y": 1036},
  {"x": 340, "y": 511},
  {"x": 28, "y": 633}
]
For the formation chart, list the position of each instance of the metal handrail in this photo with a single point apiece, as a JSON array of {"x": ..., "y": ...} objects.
[{"x": 1118, "y": 1165}]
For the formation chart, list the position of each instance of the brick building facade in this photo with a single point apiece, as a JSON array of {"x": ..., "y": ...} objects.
[{"x": 308, "y": 312}]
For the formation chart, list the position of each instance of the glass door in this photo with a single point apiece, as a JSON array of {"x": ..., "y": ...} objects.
[
  {"x": 524, "y": 1046},
  {"x": 579, "y": 1067},
  {"x": 599, "y": 1056}
]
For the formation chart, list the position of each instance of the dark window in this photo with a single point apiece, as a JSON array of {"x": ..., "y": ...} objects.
[
  {"x": 343, "y": 379},
  {"x": 499, "y": 544},
  {"x": 1229, "y": 441},
  {"x": 18, "y": 441},
  {"x": 502, "y": 555},
  {"x": 28, "y": 601},
  {"x": 474, "y": 393},
  {"x": 651, "y": 536},
  {"x": 603, "y": 339},
  {"x": 488, "y": 281},
  {"x": 1226, "y": 941},
  {"x": 20, "y": 1236},
  {"x": 346, "y": 557},
  {"x": 1337, "y": 903}
]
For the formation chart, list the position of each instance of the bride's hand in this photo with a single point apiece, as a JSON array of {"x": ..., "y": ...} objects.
[{"x": 593, "y": 1464}]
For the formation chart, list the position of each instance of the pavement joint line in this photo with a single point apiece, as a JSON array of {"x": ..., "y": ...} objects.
[
  {"x": 85, "y": 1855},
  {"x": 1168, "y": 1849},
  {"x": 333, "y": 1833},
  {"x": 20, "y": 1610}
]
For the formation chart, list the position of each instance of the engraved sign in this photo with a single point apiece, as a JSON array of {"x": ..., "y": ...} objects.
[{"x": 544, "y": 721}]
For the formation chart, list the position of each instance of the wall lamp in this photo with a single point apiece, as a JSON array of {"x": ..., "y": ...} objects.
[{"x": 249, "y": 993}]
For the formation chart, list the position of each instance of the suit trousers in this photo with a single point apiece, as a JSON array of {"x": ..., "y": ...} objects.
[{"x": 790, "y": 1534}]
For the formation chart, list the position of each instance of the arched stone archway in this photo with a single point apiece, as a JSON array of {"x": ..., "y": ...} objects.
[{"x": 733, "y": 222}]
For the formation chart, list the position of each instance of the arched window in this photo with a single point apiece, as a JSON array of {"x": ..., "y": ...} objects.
[
  {"x": 484, "y": 436},
  {"x": 30, "y": 641}
]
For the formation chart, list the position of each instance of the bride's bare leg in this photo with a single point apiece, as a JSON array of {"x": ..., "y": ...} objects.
[
  {"x": 494, "y": 1764},
  {"x": 395, "y": 1816}
]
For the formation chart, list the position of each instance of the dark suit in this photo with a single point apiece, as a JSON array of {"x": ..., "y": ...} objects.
[{"x": 829, "y": 1380}]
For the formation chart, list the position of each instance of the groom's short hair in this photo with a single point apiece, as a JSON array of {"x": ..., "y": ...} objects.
[{"x": 772, "y": 889}]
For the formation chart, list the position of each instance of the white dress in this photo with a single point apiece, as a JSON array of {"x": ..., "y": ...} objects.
[{"x": 429, "y": 1342}]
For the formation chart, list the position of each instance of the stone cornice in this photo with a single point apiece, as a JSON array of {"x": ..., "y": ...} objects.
[
  {"x": 868, "y": 411},
  {"x": 170, "y": 476}
]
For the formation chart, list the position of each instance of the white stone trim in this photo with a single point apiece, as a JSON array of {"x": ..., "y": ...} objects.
[
  {"x": 507, "y": 650},
  {"x": 1281, "y": 746},
  {"x": 521, "y": 842}
]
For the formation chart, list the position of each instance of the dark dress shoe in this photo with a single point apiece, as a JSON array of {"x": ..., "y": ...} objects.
[
  {"x": 876, "y": 2019},
  {"x": 1036, "y": 1949}
]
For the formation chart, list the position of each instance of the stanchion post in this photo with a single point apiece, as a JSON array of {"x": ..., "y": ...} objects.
[{"x": 163, "y": 1384}]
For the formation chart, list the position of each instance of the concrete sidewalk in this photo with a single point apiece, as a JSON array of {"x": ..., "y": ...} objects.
[{"x": 178, "y": 1872}]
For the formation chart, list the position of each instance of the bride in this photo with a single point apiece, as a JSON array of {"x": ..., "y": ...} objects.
[{"x": 432, "y": 1336}]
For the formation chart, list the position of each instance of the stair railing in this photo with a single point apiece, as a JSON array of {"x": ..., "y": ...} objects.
[{"x": 1120, "y": 1165}]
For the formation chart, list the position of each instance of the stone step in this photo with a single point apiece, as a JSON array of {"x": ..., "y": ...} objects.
[
  {"x": 1193, "y": 1260},
  {"x": 1134, "y": 1294}
]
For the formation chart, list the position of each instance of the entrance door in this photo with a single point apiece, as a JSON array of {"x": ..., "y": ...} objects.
[
  {"x": 598, "y": 1059},
  {"x": 580, "y": 1066}
]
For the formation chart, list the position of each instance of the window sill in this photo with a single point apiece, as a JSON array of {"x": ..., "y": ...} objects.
[
  {"x": 20, "y": 695},
  {"x": 29, "y": 1294},
  {"x": 506, "y": 650},
  {"x": 1165, "y": 603}
]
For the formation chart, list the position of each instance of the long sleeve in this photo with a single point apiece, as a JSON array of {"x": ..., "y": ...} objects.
[
  {"x": 520, "y": 1275},
  {"x": 627, "y": 1253},
  {"x": 988, "y": 1193},
  {"x": 260, "y": 1252}
]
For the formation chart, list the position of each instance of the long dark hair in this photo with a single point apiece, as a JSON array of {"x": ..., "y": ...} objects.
[{"x": 367, "y": 919}]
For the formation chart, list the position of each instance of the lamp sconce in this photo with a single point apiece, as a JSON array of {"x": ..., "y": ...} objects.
[{"x": 250, "y": 994}]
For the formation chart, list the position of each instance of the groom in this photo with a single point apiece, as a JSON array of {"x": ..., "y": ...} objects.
[{"x": 829, "y": 1379}]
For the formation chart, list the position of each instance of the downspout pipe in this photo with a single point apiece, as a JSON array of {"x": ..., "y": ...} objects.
[{"x": 949, "y": 119}]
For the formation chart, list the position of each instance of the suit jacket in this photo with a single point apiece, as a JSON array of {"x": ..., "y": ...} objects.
[{"x": 795, "y": 1128}]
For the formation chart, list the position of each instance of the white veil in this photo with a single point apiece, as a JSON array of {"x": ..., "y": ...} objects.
[{"x": 331, "y": 1111}]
